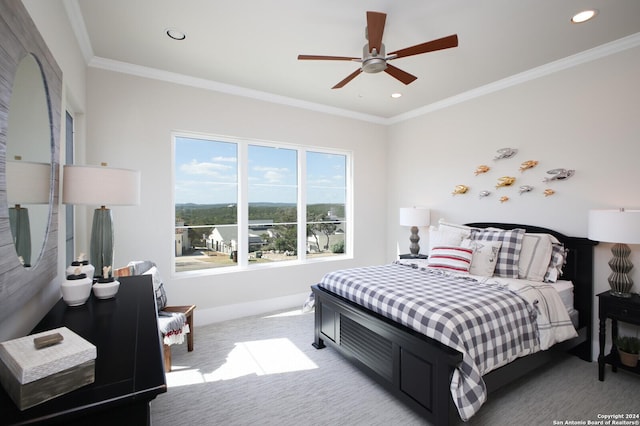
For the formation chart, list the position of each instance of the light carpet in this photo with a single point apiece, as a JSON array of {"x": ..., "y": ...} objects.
[{"x": 263, "y": 370}]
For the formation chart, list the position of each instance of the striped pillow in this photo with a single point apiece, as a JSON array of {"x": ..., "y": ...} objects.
[{"x": 456, "y": 259}]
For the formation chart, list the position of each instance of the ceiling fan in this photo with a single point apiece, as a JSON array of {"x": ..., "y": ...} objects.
[{"x": 374, "y": 59}]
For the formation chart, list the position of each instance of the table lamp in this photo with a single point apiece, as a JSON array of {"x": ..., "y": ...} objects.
[
  {"x": 27, "y": 183},
  {"x": 101, "y": 186},
  {"x": 620, "y": 227},
  {"x": 414, "y": 217}
]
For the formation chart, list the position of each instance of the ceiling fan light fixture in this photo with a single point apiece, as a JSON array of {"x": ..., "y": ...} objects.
[
  {"x": 583, "y": 16},
  {"x": 374, "y": 65},
  {"x": 175, "y": 34}
]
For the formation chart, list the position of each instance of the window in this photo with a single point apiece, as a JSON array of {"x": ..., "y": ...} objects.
[{"x": 240, "y": 204}]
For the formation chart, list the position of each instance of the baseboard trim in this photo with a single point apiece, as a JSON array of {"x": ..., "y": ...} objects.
[{"x": 241, "y": 310}]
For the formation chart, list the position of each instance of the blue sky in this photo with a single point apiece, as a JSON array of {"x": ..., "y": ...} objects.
[{"x": 206, "y": 172}]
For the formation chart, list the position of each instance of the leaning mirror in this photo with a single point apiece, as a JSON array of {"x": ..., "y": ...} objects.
[
  {"x": 30, "y": 82},
  {"x": 28, "y": 167}
]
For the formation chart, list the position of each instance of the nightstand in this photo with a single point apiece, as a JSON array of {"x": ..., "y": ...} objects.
[
  {"x": 625, "y": 309},
  {"x": 413, "y": 256}
]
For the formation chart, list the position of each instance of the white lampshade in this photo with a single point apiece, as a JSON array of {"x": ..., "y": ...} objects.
[
  {"x": 28, "y": 182},
  {"x": 615, "y": 226},
  {"x": 100, "y": 186},
  {"x": 414, "y": 216}
]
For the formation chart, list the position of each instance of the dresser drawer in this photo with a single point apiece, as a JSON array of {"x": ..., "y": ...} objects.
[{"x": 624, "y": 312}]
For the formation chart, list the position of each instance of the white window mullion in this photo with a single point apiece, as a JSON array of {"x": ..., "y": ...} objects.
[
  {"x": 243, "y": 205},
  {"x": 302, "y": 204},
  {"x": 349, "y": 209}
]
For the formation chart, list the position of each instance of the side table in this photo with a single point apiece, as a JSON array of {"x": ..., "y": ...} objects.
[
  {"x": 625, "y": 309},
  {"x": 413, "y": 256}
]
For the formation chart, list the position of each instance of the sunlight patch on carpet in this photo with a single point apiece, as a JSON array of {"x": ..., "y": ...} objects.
[
  {"x": 293, "y": 313},
  {"x": 259, "y": 358}
]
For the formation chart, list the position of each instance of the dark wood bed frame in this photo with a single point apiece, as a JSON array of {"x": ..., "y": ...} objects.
[{"x": 418, "y": 369}]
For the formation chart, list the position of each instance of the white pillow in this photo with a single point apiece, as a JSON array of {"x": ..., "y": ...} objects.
[
  {"x": 485, "y": 256},
  {"x": 444, "y": 237},
  {"x": 464, "y": 230},
  {"x": 450, "y": 258},
  {"x": 535, "y": 256}
]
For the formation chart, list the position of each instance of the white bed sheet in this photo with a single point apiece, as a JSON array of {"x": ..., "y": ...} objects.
[{"x": 565, "y": 290}]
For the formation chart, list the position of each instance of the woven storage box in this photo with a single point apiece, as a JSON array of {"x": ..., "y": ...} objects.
[{"x": 32, "y": 376}]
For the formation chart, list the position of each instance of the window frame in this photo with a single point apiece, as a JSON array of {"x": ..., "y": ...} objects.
[{"x": 242, "y": 145}]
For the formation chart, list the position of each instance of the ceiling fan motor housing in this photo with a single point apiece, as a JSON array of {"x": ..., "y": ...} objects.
[{"x": 373, "y": 62}]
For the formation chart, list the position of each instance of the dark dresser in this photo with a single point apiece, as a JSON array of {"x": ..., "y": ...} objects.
[{"x": 129, "y": 369}]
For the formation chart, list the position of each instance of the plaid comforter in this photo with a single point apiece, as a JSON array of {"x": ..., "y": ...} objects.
[{"x": 486, "y": 321}]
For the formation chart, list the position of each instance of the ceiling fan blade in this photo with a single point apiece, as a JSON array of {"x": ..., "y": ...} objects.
[
  {"x": 430, "y": 46},
  {"x": 348, "y": 79},
  {"x": 375, "y": 29},
  {"x": 327, "y": 58},
  {"x": 397, "y": 73}
]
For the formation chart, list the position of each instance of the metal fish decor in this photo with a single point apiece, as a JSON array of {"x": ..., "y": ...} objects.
[
  {"x": 525, "y": 188},
  {"x": 484, "y": 194},
  {"x": 505, "y": 181},
  {"x": 559, "y": 174},
  {"x": 504, "y": 198},
  {"x": 460, "y": 189},
  {"x": 548, "y": 192},
  {"x": 482, "y": 169},
  {"x": 505, "y": 153},
  {"x": 528, "y": 165}
]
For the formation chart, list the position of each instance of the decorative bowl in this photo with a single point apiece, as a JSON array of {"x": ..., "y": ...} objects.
[
  {"x": 105, "y": 290},
  {"x": 76, "y": 292},
  {"x": 85, "y": 268}
]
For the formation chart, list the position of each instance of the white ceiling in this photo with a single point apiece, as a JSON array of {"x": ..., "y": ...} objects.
[{"x": 250, "y": 47}]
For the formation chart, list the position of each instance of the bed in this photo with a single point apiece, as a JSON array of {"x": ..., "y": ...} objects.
[{"x": 421, "y": 368}]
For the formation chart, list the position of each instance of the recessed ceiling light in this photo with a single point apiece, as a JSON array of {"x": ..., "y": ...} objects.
[
  {"x": 396, "y": 95},
  {"x": 584, "y": 16},
  {"x": 176, "y": 34}
]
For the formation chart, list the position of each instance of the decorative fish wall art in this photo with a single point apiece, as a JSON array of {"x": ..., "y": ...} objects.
[
  {"x": 559, "y": 174},
  {"x": 530, "y": 164},
  {"x": 484, "y": 193},
  {"x": 505, "y": 181},
  {"x": 460, "y": 189},
  {"x": 525, "y": 188},
  {"x": 504, "y": 153},
  {"x": 482, "y": 169}
]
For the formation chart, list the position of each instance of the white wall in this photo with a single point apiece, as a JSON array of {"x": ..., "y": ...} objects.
[
  {"x": 129, "y": 124},
  {"x": 584, "y": 118}
]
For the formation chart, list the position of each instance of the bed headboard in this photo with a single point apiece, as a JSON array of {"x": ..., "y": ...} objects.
[{"x": 578, "y": 269}]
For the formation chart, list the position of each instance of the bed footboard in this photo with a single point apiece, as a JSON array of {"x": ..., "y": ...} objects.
[{"x": 414, "y": 367}]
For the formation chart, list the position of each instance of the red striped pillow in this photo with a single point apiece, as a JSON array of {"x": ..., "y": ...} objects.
[{"x": 456, "y": 259}]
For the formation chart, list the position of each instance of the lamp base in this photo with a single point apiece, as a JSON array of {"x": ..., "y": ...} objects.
[
  {"x": 101, "y": 240},
  {"x": 619, "y": 280},
  {"x": 414, "y": 247},
  {"x": 21, "y": 231}
]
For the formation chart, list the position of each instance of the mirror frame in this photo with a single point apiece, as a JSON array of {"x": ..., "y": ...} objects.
[{"x": 19, "y": 38}]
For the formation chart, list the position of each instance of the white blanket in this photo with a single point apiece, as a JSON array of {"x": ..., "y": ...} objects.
[{"x": 554, "y": 323}]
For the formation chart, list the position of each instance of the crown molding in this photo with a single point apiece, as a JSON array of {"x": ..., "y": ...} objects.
[
  {"x": 79, "y": 28},
  {"x": 201, "y": 83}
]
